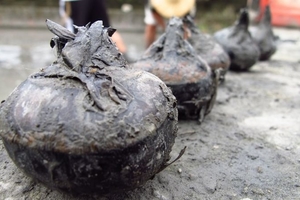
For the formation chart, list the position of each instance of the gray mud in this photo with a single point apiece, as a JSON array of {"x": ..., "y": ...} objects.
[{"x": 248, "y": 147}]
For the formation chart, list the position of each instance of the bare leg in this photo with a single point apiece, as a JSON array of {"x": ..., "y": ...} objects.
[
  {"x": 150, "y": 29},
  {"x": 159, "y": 20},
  {"x": 150, "y": 33},
  {"x": 116, "y": 37}
]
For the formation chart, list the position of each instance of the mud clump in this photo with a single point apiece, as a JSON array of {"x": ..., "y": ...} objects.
[
  {"x": 239, "y": 44},
  {"x": 264, "y": 37},
  {"x": 89, "y": 123},
  {"x": 176, "y": 62},
  {"x": 207, "y": 48}
]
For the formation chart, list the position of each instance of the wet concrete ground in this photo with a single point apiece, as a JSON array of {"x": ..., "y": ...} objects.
[
  {"x": 248, "y": 147},
  {"x": 24, "y": 51}
]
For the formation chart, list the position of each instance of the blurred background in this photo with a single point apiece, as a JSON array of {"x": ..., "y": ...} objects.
[
  {"x": 24, "y": 41},
  {"x": 211, "y": 14}
]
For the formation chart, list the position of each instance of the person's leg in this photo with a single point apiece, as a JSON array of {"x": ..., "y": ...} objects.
[
  {"x": 150, "y": 28},
  {"x": 150, "y": 34},
  {"x": 116, "y": 37},
  {"x": 159, "y": 19}
]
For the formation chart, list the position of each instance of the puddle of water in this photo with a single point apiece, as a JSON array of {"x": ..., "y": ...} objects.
[
  {"x": 10, "y": 56},
  {"x": 42, "y": 56}
]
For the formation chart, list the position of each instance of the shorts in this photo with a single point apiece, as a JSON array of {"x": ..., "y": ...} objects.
[
  {"x": 150, "y": 20},
  {"x": 89, "y": 11}
]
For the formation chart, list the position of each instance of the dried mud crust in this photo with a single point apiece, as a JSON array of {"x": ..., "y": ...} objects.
[
  {"x": 87, "y": 123},
  {"x": 247, "y": 147}
]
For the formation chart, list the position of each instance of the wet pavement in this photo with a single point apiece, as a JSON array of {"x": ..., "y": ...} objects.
[{"x": 24, "y": 51}]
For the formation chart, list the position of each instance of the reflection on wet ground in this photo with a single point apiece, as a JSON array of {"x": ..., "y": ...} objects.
[
  {"x": 10, "y": 55},
  {"x": 24, "y": 51}
]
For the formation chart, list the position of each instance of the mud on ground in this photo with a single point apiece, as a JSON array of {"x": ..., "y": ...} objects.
[{"x": 248, "y": 147}]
